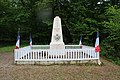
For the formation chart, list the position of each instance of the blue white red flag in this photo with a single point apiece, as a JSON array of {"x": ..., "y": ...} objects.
[
  {"x": 18, "y": 41},
  {"x": 30, "y": 41},
  {"x": 97, "y": 46},
  {"x": 80, "y": 43}
]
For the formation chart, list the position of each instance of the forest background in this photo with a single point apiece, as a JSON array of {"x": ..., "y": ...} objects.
[{"x": 79, "y": 17}]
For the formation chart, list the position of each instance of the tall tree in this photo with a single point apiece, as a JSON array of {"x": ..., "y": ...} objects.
[{"x": 112, "y": 29}]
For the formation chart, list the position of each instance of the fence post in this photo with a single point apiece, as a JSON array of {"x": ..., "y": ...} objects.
[
  {"x": 15, "y": 55},
  {"x": 98, "y": 55}
]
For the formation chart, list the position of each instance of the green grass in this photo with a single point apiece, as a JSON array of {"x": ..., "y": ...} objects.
[{"x": 7, "y": 48}]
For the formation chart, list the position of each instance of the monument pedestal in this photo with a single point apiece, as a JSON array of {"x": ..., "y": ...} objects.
[{"x": 57, "y": 46}]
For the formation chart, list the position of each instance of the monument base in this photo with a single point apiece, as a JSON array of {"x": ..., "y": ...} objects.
[
  {"x": 57, "y": 45},
  {"x": 57, "y": 49}
]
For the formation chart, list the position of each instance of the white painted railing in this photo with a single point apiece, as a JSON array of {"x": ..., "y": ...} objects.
[
  {"x": 45, "y": 54},
  {"x": 18, "y": 53}
]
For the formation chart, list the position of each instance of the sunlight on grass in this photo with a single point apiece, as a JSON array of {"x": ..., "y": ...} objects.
[
  {"x": 7, "y": 49},
  {"x": 10, "y": 48}
]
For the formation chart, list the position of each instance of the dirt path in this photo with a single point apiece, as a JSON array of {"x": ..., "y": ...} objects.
[{"x": 9, "y": 71}]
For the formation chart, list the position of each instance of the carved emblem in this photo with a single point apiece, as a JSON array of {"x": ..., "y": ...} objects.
[{"x": 57, "y": 37}]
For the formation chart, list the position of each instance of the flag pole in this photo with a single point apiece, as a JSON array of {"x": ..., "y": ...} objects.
[
  {"x": 80, "y": 43},
  {"x": 18, "y": 40},
  {"x": 19, "y": 35},
  {"x": 30, "y": 41},
  {"x": 97, "y": 47}
]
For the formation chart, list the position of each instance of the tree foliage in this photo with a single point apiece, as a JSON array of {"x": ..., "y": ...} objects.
[
  {"x": 79, "y": 17},
  {"x": 112, "y": 29}
]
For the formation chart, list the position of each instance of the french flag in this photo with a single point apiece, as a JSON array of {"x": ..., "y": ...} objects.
[
  {"x": 18, "y": 41},
  {"x": 30, "y": 41},
  {"x": 80, "y": 43},
  {"x": 97, "y": 46}
]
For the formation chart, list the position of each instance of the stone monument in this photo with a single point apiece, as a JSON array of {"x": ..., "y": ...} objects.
[{"x": 57, "y": 37}]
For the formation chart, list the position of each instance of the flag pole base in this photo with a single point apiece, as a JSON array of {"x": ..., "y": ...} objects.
[{"x": 99, "y": 62}]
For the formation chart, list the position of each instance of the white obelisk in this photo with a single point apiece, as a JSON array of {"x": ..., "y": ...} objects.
[{"x": 57, "y": 37}]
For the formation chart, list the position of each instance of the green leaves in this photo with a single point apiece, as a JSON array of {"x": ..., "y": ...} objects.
[
  {"x": 112, "y": 28},
  {"x": 78, "y": 17}
]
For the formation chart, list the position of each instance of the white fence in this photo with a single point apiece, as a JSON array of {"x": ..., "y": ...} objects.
[{"x": 71, "y": 53}]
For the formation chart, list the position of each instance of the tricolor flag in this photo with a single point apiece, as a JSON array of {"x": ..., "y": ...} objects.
[
  {"x": 18, "y": 41},
  {"x": 80, "y": 43},
  {"x": 30, "y": 41},
  {"x": 97, "y": 46}
]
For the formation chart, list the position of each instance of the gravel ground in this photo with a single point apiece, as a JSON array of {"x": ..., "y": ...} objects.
[{"x": 9, "y": 71}]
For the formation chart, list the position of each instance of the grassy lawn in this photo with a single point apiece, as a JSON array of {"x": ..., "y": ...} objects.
[
  {"x": 9, "y": 48},
  {"x": 4, "y": 49}
]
